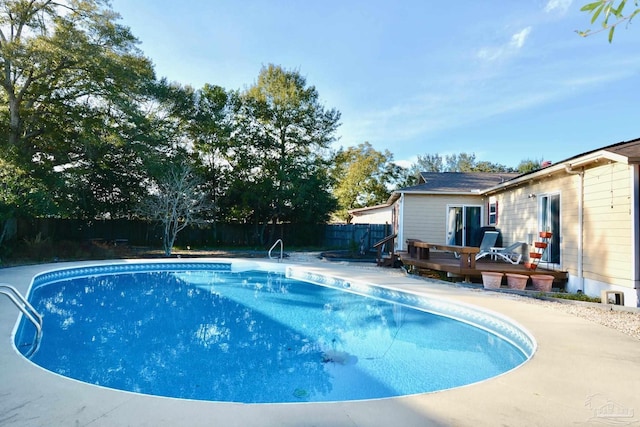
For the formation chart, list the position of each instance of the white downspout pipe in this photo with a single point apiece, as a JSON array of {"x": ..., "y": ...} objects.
[
  {"x": 570, "y": 171},
  {"x": 400, "y": 242},
  {"x": 635, "y": 225}
]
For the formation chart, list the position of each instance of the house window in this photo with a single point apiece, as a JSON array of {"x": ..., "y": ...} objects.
[
  {"x": 549, "y": 220},
  {"x": 493, "y": 211}
]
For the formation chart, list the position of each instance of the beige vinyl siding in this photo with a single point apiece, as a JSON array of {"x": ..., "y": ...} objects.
[
  {"x": 608, "y": 220},
  {"x": 425, "y": 216},
  {"x": 518, "y": 216}
]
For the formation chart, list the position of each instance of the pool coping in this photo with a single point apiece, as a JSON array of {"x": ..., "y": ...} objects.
[{"x": 581, "y": 373}]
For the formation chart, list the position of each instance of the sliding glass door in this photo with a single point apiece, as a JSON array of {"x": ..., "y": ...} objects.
[
  {"x": 463, "y": 222},
  {"x": 549, "y": 220}
]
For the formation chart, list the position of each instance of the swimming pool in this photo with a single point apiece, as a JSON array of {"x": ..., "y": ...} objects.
[{"x": 344, "y": 340}]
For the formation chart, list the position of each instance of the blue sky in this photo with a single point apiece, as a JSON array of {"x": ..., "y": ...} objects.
[{"x": 506, "y": 80}]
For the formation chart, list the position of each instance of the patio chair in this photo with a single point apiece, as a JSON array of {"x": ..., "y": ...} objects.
[
  {"x": 507, "y": 254},
  {"x": 488, "y": 241}
]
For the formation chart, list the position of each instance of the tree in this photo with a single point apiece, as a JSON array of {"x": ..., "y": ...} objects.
[
  {"x": 176, "y": 201},
  {"x": 278, "y": 146},
  {"x": 210, "y": 127},
  {"x": 430, "y": 163},
  {"x": 529, "y": 165},
  {"x": 19, "y": 194},
  {"x": 610, "y": 13},
  {"x": 363, "y": 177},
  {"x": 71, "y": 85},
  {"x": 485, "y": 166},
  {"x": 424, "y": 163},
  {"x": 463, "y": 162}
]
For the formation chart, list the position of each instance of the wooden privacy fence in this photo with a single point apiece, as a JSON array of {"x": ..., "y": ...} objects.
[
  {"x": 142, "y": 233},
  {"x": 355, "y": 236}
]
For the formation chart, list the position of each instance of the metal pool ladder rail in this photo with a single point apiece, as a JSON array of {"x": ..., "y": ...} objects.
[
  {"x": 279, "y": 241},
  {"x": 28, "y": 311}
]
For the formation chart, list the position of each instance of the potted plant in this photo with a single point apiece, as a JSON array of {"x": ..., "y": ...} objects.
[
  {"x": 542, "y": 282},
  {"x": 517, "y": 281},
  {"x": 491, "y": 279}
]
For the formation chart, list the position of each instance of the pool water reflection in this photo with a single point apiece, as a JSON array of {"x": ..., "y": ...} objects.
[{"x": 253, "y": 337}]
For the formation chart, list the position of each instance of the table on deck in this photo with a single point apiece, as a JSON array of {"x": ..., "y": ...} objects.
[{"x": 420, "y": 250}]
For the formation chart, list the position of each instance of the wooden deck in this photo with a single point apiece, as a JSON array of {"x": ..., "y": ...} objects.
[{"x": 447, "y": 262}]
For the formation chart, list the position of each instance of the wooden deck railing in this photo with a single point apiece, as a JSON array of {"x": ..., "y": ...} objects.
[{"x": 389, "y": 257}]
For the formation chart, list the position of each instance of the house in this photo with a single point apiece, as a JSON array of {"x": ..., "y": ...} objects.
[
  {"x": 590, "y": 203},
  {"x": 379, "y": 214},
  {"x": 446, "y": 207}
]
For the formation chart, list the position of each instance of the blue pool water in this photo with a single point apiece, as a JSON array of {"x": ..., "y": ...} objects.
[{"x": 253, "y": 337}]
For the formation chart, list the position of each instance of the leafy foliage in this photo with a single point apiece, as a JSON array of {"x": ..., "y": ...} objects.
[
  {"x": 610, "y": 13},
  {"x": 70, "y": 87},
  {"x": 363, "y": 177},
  {"x": 529, "y": 165},
  {"x": 277, "y": 150}
]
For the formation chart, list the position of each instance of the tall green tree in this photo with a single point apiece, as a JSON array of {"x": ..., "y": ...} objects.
[
  {"x": 19, "y": 195},
  {"x": 210, "y": 127},
  {"x": 363, "y": 176},
  {"x": 424, "y": 163},
  {"x": 462, "y": 162},
  {"x": 279, "y": 149},
  {"x": 71, "y": 91},
  {"x": 529, "y": 165}
]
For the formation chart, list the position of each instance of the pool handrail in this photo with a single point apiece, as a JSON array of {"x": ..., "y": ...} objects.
[
  {"x": 279, "y": 241},
  {"x": 27, "y": 310}
]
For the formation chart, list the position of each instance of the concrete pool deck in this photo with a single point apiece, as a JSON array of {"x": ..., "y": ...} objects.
[{"x": 582, "y": 373}]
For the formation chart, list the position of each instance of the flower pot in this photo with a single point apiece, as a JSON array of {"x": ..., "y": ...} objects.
[
  {"x": 491, "y": 280},
  {"x": 517, "y": 281},
  {"x": 542, "y": 282},
  {"x": 546, "y": 234},
  {"x": 540, "y": 245}
]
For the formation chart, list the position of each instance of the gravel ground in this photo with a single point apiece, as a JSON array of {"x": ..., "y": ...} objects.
[{"x": 627, "y": 322}]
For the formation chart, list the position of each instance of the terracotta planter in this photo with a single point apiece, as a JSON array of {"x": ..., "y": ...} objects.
[
  {"x": 542, "y": 282},
  {"x": 546, "y": 234},
  {"x": 491, "y": 280},
  {"x": 517, "y": 281}
]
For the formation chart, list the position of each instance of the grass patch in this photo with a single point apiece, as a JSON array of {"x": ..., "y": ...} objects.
[{"x": 571, "y": 296}]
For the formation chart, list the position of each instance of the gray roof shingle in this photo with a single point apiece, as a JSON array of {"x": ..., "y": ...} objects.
[{"x": 456, "y": 182}]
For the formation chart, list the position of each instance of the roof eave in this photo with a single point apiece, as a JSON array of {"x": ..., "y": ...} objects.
[
  {"x": 567, "y": 165},
  {"x": 396, "y": 194}
]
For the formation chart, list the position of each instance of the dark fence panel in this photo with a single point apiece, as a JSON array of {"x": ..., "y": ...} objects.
[
  {"x": 355, "y": 236},
  {"x": 142, "y": 233}
]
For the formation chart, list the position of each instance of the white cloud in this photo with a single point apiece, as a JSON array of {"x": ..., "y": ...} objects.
[
  {"x": 518, "y": 39},
  {"x": 516, "y": 43},
  {"x": 560, "y": 5}
]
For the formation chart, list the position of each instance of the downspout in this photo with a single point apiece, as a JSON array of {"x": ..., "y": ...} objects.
[
  {"x": 570, "y": 171},
  {"x": 635, "y": 224},
  {"x": 400, "y": 219}
]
